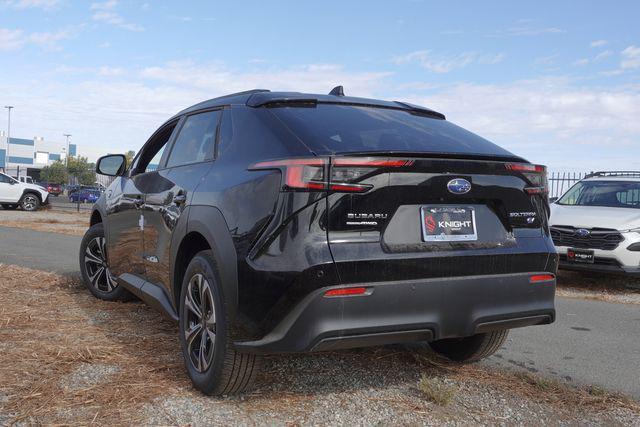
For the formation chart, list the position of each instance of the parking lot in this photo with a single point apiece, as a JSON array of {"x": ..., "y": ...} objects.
[{"x": 69, "y": 358}]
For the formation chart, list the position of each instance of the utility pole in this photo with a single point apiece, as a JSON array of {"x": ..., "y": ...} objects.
[
  {"x": 6, "y": 160},
  {"x": 67, "y": 156}
]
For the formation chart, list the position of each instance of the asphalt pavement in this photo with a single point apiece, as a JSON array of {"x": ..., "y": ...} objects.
[
  {"x": 591, "y": 342},
  {"x": 52, "y": 252}
]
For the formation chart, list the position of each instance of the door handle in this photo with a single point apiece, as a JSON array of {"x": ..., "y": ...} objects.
[{"x": 179, "y": 199}]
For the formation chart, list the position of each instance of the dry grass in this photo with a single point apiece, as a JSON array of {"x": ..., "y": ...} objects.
[
  {"x": 72, "y": 223},
  {"x": 50, "y": 327},
  {"x": 599, "y": 287},
  {"x": 436, "y": 390},
  {"x": 529, "y": 386}
]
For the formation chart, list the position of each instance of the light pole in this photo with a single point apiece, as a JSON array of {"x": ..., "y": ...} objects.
[
  {"x": 67, "y": 156},
  {"x": 6, "y": 161}
]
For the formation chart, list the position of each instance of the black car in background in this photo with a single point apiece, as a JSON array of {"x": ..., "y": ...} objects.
[{"x": 270, "y": 222}]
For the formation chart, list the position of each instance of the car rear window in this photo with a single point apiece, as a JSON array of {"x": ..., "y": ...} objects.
[
  {"x": 338, "y": 128},
  {"x": 614, "y": 194}
]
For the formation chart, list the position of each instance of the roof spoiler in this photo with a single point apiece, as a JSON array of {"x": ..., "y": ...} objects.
[{"x": 421, "y": 110}]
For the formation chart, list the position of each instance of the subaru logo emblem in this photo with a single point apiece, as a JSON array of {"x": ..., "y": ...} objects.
[
  {"x": 459, "y": 186},
  {"x": 582, "y": 232}
]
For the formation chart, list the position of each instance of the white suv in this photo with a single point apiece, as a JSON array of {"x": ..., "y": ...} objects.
[
  {"x": 14, "y": 193},
  {"x": 596, "y": 224}
]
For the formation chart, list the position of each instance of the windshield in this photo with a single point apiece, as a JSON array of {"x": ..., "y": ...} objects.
[
  {"x": 613, "y": 194},
  {"x": 336, "y": 128}
]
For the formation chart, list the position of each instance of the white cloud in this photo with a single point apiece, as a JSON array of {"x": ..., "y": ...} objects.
[
  {"x": 581, "y": 62},
  {"x": 217, "y": 79},
  {"x": 598, "y": 43},
  {"x": 444, "y": 64},
  {"x": 15, "y": 39},
  {"x": 27, "y": 4},
  {"x": 111, "y": 71},
  {"x": 602, "y": 55},
  {"x": 105, "y": 12},
  {"x": 546, "y": 60},
  {"x": 540, "y": 118},
  {"x": 630, "y": 58},
  {"x": 11, "y": 39},
  {"x": 526, "y": 29}
]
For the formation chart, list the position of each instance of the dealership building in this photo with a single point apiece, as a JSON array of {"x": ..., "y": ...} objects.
[{"x": 26, "y": 157}]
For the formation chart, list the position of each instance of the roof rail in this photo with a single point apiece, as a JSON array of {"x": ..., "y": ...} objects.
[{"x": 628, "y": 174}]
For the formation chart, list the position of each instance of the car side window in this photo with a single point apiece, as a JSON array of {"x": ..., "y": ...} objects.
[
  {"x": 150, "y": 157},
  {"x": 196, "y": 140},
  {"x": 5, "y": 179}
]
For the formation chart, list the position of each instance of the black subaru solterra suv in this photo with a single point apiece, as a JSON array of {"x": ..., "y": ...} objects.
[{"x": 273, "y": 222}]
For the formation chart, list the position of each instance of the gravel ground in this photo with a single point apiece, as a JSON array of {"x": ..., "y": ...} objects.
[
  {"x": 54, "y": 221},
  {"x": 119, "y": 363}
]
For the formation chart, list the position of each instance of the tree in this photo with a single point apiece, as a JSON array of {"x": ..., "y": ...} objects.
[
  {"x": 88, "y": 177},
  {"x": 130, "y": 155},
  {"x": 76, "y": 166},
  {"x": 56, "y": 173},
  {"x": 83, "y": 170}
]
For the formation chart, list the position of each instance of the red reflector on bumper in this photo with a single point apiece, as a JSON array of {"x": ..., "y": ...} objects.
[
  {"x": 541, "y": 278},
  {"x": 343, "y": 292}
]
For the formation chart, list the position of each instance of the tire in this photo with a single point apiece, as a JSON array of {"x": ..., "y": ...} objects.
[
  {"x": 94, "y": 267},
  {"x": 9, "y": 206},
  {"x": 214, "y": 366},
  {"x": 470, "y": 349},
  {"x": 30, "y": 202}
]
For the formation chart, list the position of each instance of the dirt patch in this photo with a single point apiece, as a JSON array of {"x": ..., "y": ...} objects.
[
  {"x": 600, "y": 287},
  {"x": 53, "y": 221},
  {"x": 67, "y": 358}
]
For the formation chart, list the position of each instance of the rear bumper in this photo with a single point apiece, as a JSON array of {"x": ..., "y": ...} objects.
[{"x": 407, "y": 311}]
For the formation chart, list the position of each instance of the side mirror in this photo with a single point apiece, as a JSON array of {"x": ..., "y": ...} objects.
[
  {"x": 553, "y": 199},
  {"x": 111, "y": 165}
]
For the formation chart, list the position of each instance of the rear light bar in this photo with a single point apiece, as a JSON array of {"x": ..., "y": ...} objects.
[
  {"x": 537, "y": 278},
  {"x": 347, "y": 292},
  {"x": 346, "y": 172},
  {"x": 535, "y": 174}
]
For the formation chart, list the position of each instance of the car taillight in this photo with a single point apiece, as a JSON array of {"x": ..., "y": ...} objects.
[
  {"x": 537, "y": 278},
  {"x": 346, "y": 172},
  {"x": 310, "y": 174},
  {"x": 347, "y": 292},
  {"x": 535, "y": 174}
]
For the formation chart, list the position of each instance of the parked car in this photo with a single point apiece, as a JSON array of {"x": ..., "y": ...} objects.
[
  {"x": 84, "y": 196},
  {"x": 53, "y": 189},
  {"x": 14, "y": 194},
  {"x": 267, "y": 222},
  {"x": 73, "y": 188},
  {"x": 595, "y": 225},
  {"x": 24, "y": 179}
]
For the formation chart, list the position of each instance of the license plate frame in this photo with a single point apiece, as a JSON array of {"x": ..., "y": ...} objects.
[
  {"x": 581, "y": 256},
  {"x": 444, "y": 227}
]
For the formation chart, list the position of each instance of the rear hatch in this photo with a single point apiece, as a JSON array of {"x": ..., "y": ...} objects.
[
  {"x": 412, "y": 196},
  {"x": 411, "y": 218}
]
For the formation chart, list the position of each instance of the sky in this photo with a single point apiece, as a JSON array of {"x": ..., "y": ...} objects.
[{"x": 555, "y": 82}]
